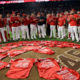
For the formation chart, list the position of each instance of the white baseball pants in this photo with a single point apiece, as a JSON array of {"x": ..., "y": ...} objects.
[
  {"x": 52, "y": 31},
  {"x": 61, "y": 32},
  {"x": 3, "y": 34},
  {"x": 8, "y": 29},
  {"x": 44, "y": 28},
  {"x": 33, "y": 31},
  {"x": 79, "y": 31},
  {"x": 16, "y": 33},
  {"x": 24, "y": 30},
  {"x": 41, "y": 31},
  {"x": 74, "y": 33}
]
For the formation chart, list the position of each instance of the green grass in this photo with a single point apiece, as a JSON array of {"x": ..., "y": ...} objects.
[
  {"x": 39, "y": 39},
  {"x": 44, "y": 39}
]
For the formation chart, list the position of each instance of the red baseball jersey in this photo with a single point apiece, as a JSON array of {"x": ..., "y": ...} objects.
[
  {"x": 20, "y": 68},
  {"x": 52, "y": 20},
  {"x": 3, "y": 65},
  {"x": 67, "y": 74},
  {"x": 61, "y": 21},
  {"x": 33, "y": 20},
  {"x": 47, "y": 68},
  {"x": 48, "y": 19},
  {"x": 13, "y": 53},
  {"x": 45, "y": 50},
  {"x": 78, "y": 22},
  {"x": 25, "y": 21},
  {"x": 14, "y": 21},
  {"x": 2, "y": 22},
  {"x": 3, "y": 56},
  {"x": 19, "y": 21},
  {"x": 73, "y": 21}
]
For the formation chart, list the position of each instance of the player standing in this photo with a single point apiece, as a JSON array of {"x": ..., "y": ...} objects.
[
  {"x": 14, "y": 26},
  {"x": 61, "y": 22},
  {"x": 2, "y": 28},
  {"x": 73, "y": 25},
  {"x": 33, "y": 26},
  {"x": 78, "y": 22},
  {"x": 52, "y": 26},
  {"x": 24, "y": 27}
]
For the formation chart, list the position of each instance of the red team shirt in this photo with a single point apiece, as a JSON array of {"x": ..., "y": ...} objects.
[
  {"x": 13, "y": 21},
  {"x": 33, "y": 20},
  {"x": 78, "y": 23},
  {"x": 20, "y": 68},
  {"x": 2, "y": 22},
  {"x": 47, "y": 68},
  {"x": 61, "y": 21},
  {"x": 3, "y": 65},
  {"x": 65, "y": 16},
  {"x": 48, "y": 19},
  {"x": 67, "y": 74},
  {"x": 53, "y": 21},
  {"x": 73, "y": 21},
  {"x": 26, "y": 21},
  {"x": 19, "y": 22}
]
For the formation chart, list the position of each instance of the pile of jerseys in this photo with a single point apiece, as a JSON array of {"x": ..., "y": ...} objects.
[
  {"x": 4, "y": 49},
  {"x": 3, "y": 65},
  {"x": 67, "y": 74},
  {"x": 36, "y": 46},
  {"x": 20, "y": 68},
  {"x": 8, "y": 46},
  {"x": 48, "y": 69},
  {"x": 44, "y": 50},
  {"x": 3, "y": 56},
  {"x": 15, "y": 52},
  {"x": 31, "y": 43},
  {"x": 14, "y": 45},
  {"x": 42, "y": 43},
  {"x": 38, "y": 49},
  {"x": 50, "y": 44},
  {"x": 3, "y": 53},
  {"x": 31, "y": 48}
]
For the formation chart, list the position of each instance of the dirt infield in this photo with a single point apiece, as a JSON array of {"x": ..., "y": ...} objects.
[{"x": 68, "y": 57}]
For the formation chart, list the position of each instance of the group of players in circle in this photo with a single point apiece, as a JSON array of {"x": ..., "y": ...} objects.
[{"x": 29, "y": 26}]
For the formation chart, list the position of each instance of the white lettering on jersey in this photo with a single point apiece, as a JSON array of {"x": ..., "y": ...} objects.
[
  {"x": 1, "y": 64},
  {"x": 47, "y": 64},
  {"x": 67, "y": 75},
  {"x": 23, "y": 63}
]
